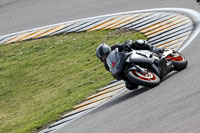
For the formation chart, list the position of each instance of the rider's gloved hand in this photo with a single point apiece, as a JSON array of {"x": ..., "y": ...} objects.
[
  {"x": 127, "y": 45},
  {"x": 128, "y": 42}
]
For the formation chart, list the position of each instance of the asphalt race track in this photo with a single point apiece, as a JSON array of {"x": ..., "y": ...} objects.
[
  {"x": 171, "y": 107},
  {"x": 18, "y": 15}
]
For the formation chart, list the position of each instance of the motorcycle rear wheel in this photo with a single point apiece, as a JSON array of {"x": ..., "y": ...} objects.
[
  {"x": 149, "y": 80},
  {"x": 179, "y": 61}
]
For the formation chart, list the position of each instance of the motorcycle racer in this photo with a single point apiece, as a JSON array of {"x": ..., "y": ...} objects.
[{"x": 103, "y": 50}]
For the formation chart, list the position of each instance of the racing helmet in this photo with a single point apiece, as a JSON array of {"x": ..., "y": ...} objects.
[
  {"x": 141, "y": 42},
  {"x": 102, "y": 51}
]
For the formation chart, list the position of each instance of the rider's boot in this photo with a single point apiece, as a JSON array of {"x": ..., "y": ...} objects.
[
  {"x": 162, "y": 67},
  {"x": 166, "y": 67}
]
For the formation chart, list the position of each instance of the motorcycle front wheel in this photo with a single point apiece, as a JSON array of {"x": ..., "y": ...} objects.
[{"x": 149, "y": 79}]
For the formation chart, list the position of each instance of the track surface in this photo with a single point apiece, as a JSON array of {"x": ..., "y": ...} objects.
[
  {"x": 18, "y": 15},
  {"x": 173, "y": 106}
]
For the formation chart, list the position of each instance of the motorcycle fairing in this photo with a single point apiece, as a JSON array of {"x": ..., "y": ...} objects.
[{"x": 116, "y": 61}]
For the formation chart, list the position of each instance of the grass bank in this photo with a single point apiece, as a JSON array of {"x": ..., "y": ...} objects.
[{"x": 42, "y": 79}]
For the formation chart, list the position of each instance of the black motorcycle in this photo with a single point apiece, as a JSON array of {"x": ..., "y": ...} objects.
[{"x": 144, "y": 67}]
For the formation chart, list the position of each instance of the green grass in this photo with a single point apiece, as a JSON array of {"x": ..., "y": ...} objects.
[{"x": 41, "y": 79}]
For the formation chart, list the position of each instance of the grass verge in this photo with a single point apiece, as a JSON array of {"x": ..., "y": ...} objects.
[{"x": 42, "y": 79}]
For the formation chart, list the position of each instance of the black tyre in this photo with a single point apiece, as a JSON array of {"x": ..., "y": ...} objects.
[
  {"x": 178, "y": 60},
  {"x": 150, "y": 79}
]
